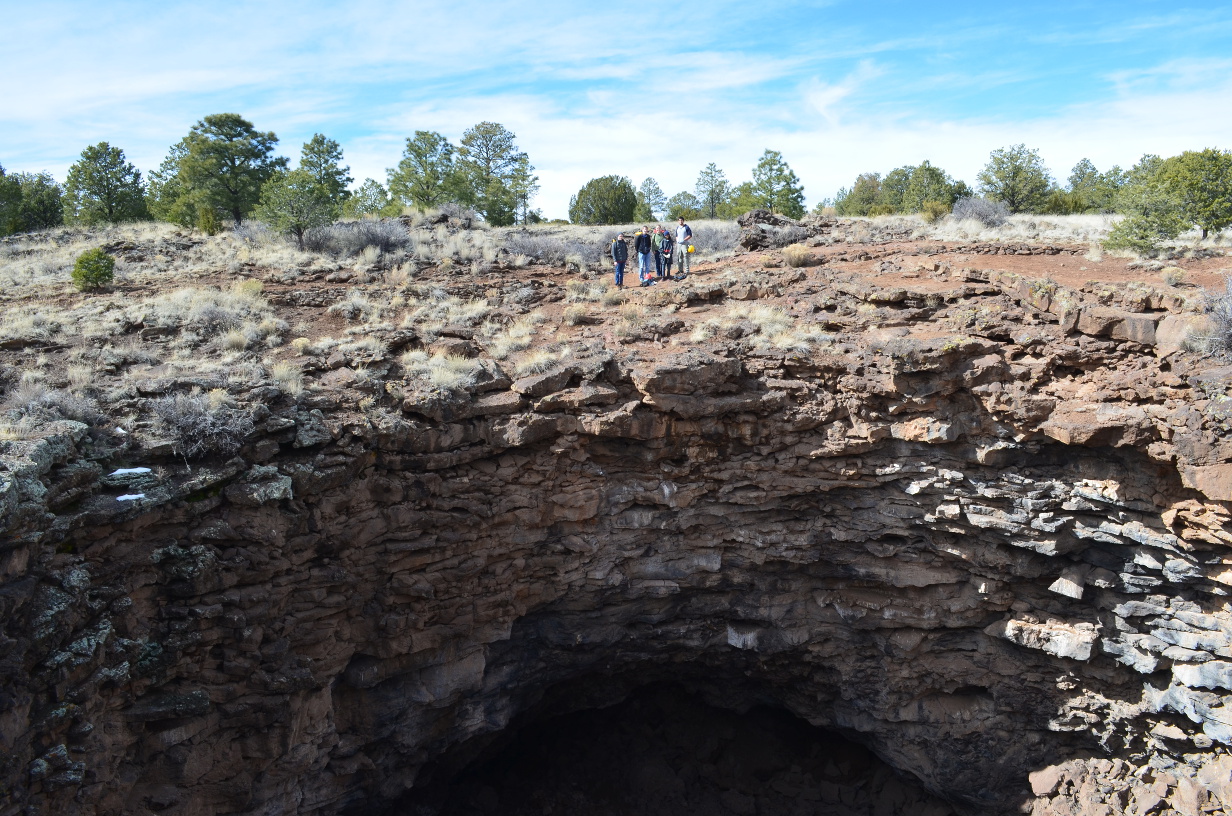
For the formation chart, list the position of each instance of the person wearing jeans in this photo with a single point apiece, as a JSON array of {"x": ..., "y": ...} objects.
[
  {"x": 684, "y": 238},
  {"x": 620, "y": 255},
  {"x": 641, "y": 242},
  {"x": 656, "y": 242}
]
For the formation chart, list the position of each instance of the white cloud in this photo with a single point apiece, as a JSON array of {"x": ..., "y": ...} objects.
[{"x": 587, "y": 91}]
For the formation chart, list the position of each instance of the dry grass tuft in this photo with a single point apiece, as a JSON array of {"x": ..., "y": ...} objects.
[
  {"x": 431, "y": 314},
  {"x": 447, "y": 371},
  {"x": 356, "y": 307},
  {"x": 1172, "y": 275},
  {"x": 584, "y": 291},
  {"x": 797, "y": 255},
  {"x": 288, "y": 377},
  {"x": 575, "y": 315},
  {"x": 536, "y": 362},
  {"x": 31, "y": 326},
  {"x": 206, "y": 312},
  {"x": 500, "y": 342}
]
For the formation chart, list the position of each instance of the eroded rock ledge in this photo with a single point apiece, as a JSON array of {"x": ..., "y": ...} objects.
[{"x": 999, "y": 559}]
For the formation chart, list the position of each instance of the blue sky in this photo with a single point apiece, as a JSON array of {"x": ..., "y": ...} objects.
[{"x": 634, "y": 89}]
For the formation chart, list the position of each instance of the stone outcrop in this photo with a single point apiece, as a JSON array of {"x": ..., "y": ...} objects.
[
  {"x": 762, "y": 229},
  {"x": 994, "y": 550}
]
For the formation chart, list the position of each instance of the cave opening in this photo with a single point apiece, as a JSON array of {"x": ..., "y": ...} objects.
[{"x": 665, "y": 749}]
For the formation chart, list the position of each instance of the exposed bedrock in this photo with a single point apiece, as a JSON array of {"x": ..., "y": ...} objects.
[{"x": 1015, "y": 597}]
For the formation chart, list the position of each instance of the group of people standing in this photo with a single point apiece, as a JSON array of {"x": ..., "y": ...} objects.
[{"x": 659, "y": 246}]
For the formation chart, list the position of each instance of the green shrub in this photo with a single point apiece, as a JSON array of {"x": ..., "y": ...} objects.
[
  {"x": 1142, "y": 233},
  {"x": 1060, "y": 202},
  {"x": 882, "y": 209},
  {"x": 207, "y": 221},
  {"x": 93, "y": 270},
  {"x": 934, "y": 211}
]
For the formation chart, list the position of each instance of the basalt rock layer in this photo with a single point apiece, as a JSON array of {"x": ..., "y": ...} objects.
[{"x": 997, "y": 555}]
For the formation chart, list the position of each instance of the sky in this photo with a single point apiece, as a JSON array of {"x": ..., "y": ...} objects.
[{"x": 639, "y": 90}]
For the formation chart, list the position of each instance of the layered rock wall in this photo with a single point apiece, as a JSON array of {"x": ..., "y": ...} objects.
[{"x": 1000, "y": 561}]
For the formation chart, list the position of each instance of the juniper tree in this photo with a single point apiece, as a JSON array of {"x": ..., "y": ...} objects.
[
  {"x": 604, "y": 200},
  {"x": 166, "y": 197},
  {"x": 740, "y": 199},
  {"x": 1017, "y": 177},
  {"x": 10, "y": 202},
  {"x": 683, "y": 205},
  {"x": 928, "y": 183},
  {"x": 370, "y": 199},
  {"x": 40, "y": 205},
  {"x": 1152, "y": 214},
  {"x": 860, "y": 197},
  {"x": 1097, "y": 190},
  {"x": 295, "y": 202},
  {"x": 1200, "y": 181}
]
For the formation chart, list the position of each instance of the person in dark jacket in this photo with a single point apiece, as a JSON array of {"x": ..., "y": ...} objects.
[
  {"x": 620, "y": 256},
  {"x": 665, "y": 250},
  {"x": 641, "y": 242},
  {"x": 656, "y": 243}
]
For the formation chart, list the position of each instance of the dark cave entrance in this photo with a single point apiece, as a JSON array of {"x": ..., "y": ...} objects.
[{"x": 664, "y": 750}]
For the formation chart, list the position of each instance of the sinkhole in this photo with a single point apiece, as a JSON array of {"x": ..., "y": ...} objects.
[{"x": 663, "y": 749}]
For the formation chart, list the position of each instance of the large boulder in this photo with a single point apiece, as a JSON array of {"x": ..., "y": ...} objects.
[{"x": 762, "y": 229}]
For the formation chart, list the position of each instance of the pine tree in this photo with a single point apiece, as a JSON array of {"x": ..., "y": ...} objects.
[
  {"x": 777, "y": 186},
  {"x": 650, "y": 201},
  {"x": 322, "y": 158},
  {"x": 488, "y": 153},
  {"x": 104, "y": 188},
  {"x": 711, "y": 189},
  {"x": 226, "y": 163},
  {"x": 426, "y": 176}
]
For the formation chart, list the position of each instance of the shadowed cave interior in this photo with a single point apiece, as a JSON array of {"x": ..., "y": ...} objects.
[{"x": 663, "y": 749}]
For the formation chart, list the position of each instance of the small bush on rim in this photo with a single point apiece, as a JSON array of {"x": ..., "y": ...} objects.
[
  {"x": 200, "y": 429},
  {"x": 1218, "y": 307},
  {"x": 351, "y": 238},
  {"x": 933, "y": 211},
  {"x": 988, "y": 212},
  {"x": 94, "y": 269}
]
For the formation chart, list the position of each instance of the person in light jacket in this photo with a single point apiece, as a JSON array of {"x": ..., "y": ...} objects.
[{"x": 684, "y": 237}]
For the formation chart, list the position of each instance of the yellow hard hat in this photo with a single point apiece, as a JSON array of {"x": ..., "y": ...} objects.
[{"x": 690, "y": 249}]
